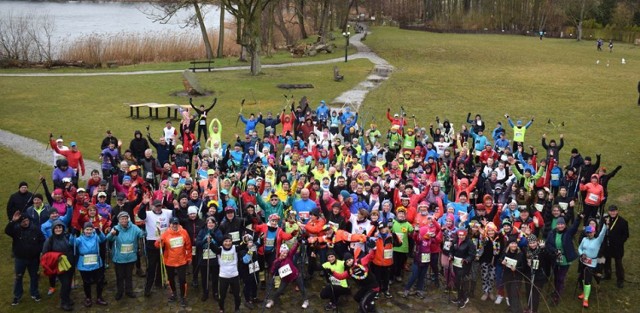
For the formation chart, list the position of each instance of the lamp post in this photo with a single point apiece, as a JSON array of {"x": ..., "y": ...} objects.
[{"x": 346, "y": 35}]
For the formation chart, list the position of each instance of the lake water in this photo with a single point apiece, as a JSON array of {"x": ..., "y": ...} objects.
[{"x": 75, "y": 19}]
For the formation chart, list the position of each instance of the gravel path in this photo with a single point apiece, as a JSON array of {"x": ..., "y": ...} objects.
[{"x": 37, "y": 150}]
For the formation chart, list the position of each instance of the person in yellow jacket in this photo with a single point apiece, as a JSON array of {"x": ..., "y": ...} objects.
[{"x": 177, "y": 256}]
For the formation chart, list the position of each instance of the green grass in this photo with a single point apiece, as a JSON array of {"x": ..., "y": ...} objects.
[
  {"x": 83, "y": 108},
  {"x": 436, "y": 74},
  {"x": 449, "y": 75}
]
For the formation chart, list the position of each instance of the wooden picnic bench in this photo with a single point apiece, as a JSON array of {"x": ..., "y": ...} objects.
[
  {"x": 136, "y": 106},
  {"x": 154, "y": 109},
  {"x": 200, "y": 65}
]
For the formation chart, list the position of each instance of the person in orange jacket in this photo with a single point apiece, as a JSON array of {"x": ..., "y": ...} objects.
[
  {"x": 594, "y": 196},
  {"x": 177, "y": 256},
  {"x": 383, "y": 257}
]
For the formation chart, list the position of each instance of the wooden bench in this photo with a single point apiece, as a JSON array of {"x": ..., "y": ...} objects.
[
  {"x": 135, "y": 106},
  {"x": 175, "y": 108},
  {"x": 200, "y": 65},
  {"x": 336, "y": 74}
]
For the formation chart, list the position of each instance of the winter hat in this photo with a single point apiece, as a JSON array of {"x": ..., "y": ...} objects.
[
  {"x": 23, "y": 183},
  {"x": 315, "y": 212},
  {"x": 560, "y": 220},
  {"x": 123, "y": 214},
  {"x": 87, "y": 225},
  {"x": 589, "y": 229},
  {"x": 192, "y": 210},
  {"x": 345, "y": 194},
  {"x": 251, "y": 182},
  {"x": 175, "y": 220},
  {"x": 127, "y": 177},
  {"x": 284, "y": 249},
  {"x": 532, "y": 238},
  {"x": 347, "y": 256},
  {"x": 331, "y": 252}
]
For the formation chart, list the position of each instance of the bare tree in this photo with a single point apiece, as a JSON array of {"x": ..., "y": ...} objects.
[
  {"x": 169, "y": 8},
  {"x": 248, "y": 14}
]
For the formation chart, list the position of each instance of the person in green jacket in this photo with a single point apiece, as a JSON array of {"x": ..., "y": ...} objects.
[
  {"x": 274, "y": 206},
  {"x": 528, "y": 179},
  {"x": 402, "y": 229}
]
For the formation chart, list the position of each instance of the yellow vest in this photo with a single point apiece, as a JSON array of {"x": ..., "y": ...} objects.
[{"x": 518, "y": 133}]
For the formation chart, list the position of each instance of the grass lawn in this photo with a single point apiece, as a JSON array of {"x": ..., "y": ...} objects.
[{"x": 436, "y": 74}]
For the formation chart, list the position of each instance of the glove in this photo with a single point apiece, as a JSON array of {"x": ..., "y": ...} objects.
[{"x": 371, "y": 243}]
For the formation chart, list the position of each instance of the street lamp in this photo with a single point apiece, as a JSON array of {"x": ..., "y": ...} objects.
[{"x": 346, "y": 35}]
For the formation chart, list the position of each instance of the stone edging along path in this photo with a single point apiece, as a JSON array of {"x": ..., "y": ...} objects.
[{"x": 353, "y": 97}]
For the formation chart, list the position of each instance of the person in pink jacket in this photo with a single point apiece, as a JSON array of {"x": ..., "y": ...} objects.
[{"x": 594, "y": 195}]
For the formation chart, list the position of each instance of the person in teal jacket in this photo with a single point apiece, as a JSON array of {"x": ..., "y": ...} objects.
[
  {"x": 90, "y": 265},
  {"x": 124, "y": 237},
  {"x": 275, "y": 206},
  {"x": 54, "y": 216},
  {"x": 588, "y": 250},
  {"x": 479, "y": 141},
  {"x": 251, "y": 123}
]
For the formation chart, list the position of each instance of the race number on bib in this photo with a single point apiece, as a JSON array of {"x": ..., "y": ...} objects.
[
  {"x": 90, "y": 259},
  {"x": 126, "y": 248},
  {"x": 176, "y": 242},
  {"x": 208, "y": 254},
  {"x": 285, "y": 271},
  {"x": 457, "y": 262},
  {"x": 447, "y": 245},
  {"x": 511, "y": 263},
  {"x": 425, "y": 257},
  {"x": 563, "y": 205},
  {"x": 254, "y": 267},
  {"x": 593, "y": 197},
  {"x": 304, "y": 215},
  {"x": 539, "y": 207},
  {"x": 388, "y": 254},
  {"x": 235, "y": 236},
  {"x": 334, "y": 281},
  {"x": 269, "y": 242}
]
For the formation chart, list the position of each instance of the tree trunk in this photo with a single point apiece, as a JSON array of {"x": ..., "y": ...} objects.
[
  {"x": 582, "y": 7},
  {"x": 323, "y": 21},
  {"x": 252, "y": 40},
  {"x": 220, "y": 53},
  {"x": 300, "y": 14},
  {"x": 203, "y": 29}
]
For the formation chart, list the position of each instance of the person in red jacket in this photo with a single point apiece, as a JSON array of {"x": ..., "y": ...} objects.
[
  {"x": 73, "y": 155},
  {"x": 594, "y": 196},
  {"x": 272, "y": 238},
  {"x": 397, "y": 120},
  {"x": 177, "y": 255},
  {"x": 383, "y": 257}
]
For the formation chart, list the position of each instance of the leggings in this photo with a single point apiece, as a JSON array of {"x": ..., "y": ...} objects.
[
  {"x": 225, "y": 283},
  {"x": 333, "y": 293},
  {"x": 93, "y": 277},
  {"x": 181, "y": 272},
  {"x": 202, "y": 129},
  {"x": 283, "y": 285}
]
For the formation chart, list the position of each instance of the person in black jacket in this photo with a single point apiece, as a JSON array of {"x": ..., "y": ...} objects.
[
  {"x": 553, "y": 149},
  {"x": 604, "y": 181},
  {"x": 269, "y": 123},
  {"x": 193, "y": 224},
  {"x": 63, "y": 243},
  {"x": 538, "y": 270},
  {"x": 617, "y": 235},
  {"x": 513, "y": 261},
  {"x": 27, "y": 245},
  {"x": 202, "y": 117},
  {"x": 108, "y": 139},
  {"x": 138, "y": 145},
  {"x": 20, "y": 200},
  {"x": 463, "y": 253}
]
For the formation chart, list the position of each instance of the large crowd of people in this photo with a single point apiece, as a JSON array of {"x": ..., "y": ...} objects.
[{"x": 362, "y": 209}]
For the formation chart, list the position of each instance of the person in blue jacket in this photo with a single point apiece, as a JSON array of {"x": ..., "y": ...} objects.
[
  {"x": 588, "y": 250},
  {"x": 251, "y": 123},
  {"x": 479, "y": 140},
  {"x": 54, "y": 216},
  {"x": 209, "y": 239},
  {"x": 90, "y": 264},
  {"x": 124, "y": 237},
  {"x": 322, "y": 113},
  {"x": 560, "y": 243}
]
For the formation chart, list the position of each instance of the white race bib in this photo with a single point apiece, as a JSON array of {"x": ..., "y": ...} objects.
[
  {"x": 208, "y": 254},
  {"x": 269, "y": 242},
  {"x": 388, "y": 254},
  {"x": 193, "y": 250},
  {"x": 203, "y": 122},
  {"x": 425, "y": 257},
  {"x": 563, "y": 205},
  {"x": 149, "y": 175},
  {"x": 235, "y": 236},
  {"x": 126, "y": 248},
  {"x": 90, "y": 259},
  {"x": 593, "y": 197},
  {"x": 539, "y": 207},
  {"x": 285, "y": 271},
  {"x": 334, "y": 281},
  {"x": 447, "y": 245},
  {"x": 254, "y": 267},
  {"x": 555, "y": 176},
  {"x": 457, "y": 262},
  {"x": 176, "y": 242},
  {"x": 585, "y": 261},
  {"x": 511, "y": 263},
  {"x": 227, "y": 257},
  {"x": 303, "y": 215}
]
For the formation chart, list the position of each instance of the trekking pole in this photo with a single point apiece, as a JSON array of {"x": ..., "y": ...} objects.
[
  {"x": 206, "y": 288},
  {"x": 241, "y": 107}
]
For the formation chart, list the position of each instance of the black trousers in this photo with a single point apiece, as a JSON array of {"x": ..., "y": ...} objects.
[
  {"x": 181, "y": 272},
  {"x": 382, "y": 275},
  {"x": 212, "y": 270},
  {"x": 512, "y": 285},
  {"x": 534, "y": 294},
  {"x": 225, "y": 283},
  {"x": 619, "y": 267},
  {"x": 153, "y": 268},
  {"x": 93, "y": 277},
  {"x": 250, "y": 288},
  {"x": 399, "y": 260},
  {"x": 333, "y": 293},
  {"x": 460, "y": 277},
  {"x": 124, "y": 277},
  {"x": 65, "y": 286},
  {"x": 202, "y": 129}
]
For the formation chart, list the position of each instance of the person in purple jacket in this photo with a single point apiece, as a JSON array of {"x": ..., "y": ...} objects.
[{"x": 286, "y": 269}]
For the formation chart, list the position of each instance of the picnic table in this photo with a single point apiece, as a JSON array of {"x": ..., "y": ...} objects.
[{"x": 154, "y": 109}]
